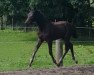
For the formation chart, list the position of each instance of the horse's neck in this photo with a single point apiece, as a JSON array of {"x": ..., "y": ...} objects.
[{"x": 43, "y": 24}]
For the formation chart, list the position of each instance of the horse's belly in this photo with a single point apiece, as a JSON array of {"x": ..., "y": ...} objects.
[{"x": 58, "y": 35}]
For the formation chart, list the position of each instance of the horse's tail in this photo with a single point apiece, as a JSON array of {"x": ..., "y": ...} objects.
[{"x": 74, "y": 32}]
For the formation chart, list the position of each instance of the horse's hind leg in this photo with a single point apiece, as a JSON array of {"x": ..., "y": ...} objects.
[
  {"x": 72, "y": 52},
  {"x": 35, "y": 50},
  {"x": 50, "y": 51},
  {"x": 66, "y": 51},
  {"x": 68, "y": 45}
]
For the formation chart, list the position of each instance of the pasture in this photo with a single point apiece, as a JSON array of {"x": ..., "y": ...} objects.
[{"x": 16, "y": 48}]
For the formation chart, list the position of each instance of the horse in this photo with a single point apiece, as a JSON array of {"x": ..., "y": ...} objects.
[{"x": 50, "y": 31}]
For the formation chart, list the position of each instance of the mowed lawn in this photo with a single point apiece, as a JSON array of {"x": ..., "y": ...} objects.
[{"x": 17, "y": 47}]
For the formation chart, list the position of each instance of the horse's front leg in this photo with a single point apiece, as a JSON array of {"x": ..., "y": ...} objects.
[
  {"x": 35, "y": 50},
  {"x": 50, "y": 51}
]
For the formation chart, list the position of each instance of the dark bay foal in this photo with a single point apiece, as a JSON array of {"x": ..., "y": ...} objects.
[{"x": 49, "y": 31}]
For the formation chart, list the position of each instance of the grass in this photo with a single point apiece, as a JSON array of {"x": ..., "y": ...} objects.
[
  {"x": 17, "y": 47},
  {"x": 18, "y": 36}
]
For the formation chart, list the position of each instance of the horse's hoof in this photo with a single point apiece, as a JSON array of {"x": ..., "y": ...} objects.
[
  {"x": 59, "y": 64},
  {"x": 29, "y": 65}
]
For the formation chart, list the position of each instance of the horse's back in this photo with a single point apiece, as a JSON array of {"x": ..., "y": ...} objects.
[
  {"x": 64, "y": 27},
  {"x": 60, "y": 23}
]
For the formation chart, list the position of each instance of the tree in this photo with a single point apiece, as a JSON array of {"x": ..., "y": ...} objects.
[
  {"x": 83, "y": 17},
  {"x": 18, "y": 10},
  {"x": 71, "y": 10},
  {"x": 15, "y": 11},
  {"x": 3, "y": 11}
]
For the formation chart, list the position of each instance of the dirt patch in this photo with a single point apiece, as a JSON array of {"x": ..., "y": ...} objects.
[{"x": 77, "y": 70}]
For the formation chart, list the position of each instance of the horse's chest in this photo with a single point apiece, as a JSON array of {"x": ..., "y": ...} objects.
[{"x": 43, "y": 36}]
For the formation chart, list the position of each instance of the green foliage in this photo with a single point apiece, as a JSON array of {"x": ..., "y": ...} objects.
[
  {"x": 83, "y": 17},
  {"x": 17, "y": 6},
  {"x": 53, "y": 9},
  {"x": 15, "y": 10},
  {"x": 77, "y": 11},
  {"x": 3, "y": 7}
]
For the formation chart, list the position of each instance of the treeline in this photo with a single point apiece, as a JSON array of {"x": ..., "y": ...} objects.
[{"x": 13, "y": 12}]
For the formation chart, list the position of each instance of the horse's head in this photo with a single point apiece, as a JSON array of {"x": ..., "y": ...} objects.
[
  {"x": 30, "y": 17},
  {"x": 33, "y": 16}
]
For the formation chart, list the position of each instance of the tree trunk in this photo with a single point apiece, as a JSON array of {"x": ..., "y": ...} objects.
[
  {"x": 12, "y": 23},
  {"x": 2, "y": 25}
]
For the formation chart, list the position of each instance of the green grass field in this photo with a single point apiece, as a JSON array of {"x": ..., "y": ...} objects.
[{"x": 17, "y": 47}]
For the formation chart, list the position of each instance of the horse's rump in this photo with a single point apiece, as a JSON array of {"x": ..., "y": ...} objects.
[{"x": 69, "y": 26}]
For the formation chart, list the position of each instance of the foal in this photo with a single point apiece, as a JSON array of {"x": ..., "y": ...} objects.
[{"x": 49, "y": 31}]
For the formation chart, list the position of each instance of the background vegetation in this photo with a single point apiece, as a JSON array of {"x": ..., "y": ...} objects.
[{"x": 13, "y": 12}]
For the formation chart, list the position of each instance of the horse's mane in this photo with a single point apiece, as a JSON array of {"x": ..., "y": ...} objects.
[{"x": 41, "y": 16}]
